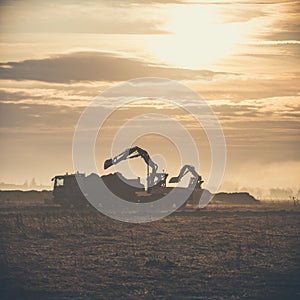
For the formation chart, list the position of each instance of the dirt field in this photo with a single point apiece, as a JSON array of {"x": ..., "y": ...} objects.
[{"x": 221, "y": 252}]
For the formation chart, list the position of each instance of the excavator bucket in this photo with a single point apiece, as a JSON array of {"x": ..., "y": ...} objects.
[
  {"x": 174, "y": 180},
  {"x": 108, "y": 163}
]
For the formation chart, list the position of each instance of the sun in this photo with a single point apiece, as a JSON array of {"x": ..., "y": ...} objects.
[{"x": 197, "y": 38}]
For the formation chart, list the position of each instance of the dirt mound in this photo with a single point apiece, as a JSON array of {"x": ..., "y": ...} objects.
[
  {"x": 117, "y": 184},
  {"x": 234, "y": 198}
]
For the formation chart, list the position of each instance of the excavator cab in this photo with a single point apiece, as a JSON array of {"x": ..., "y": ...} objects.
[{"x": 195, "y": 182}]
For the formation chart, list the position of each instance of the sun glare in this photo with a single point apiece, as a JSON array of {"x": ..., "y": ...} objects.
[{"x": 197, "y": 37}]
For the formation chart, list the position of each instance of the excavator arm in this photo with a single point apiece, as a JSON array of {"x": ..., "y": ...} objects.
[
  {"x": 128, "y": 154},
  {"x": 184, "y": 170},
  {"x": 153, "y": 178}
]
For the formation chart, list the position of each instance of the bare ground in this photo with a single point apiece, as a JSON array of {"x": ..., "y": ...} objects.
[{"x": 221, "y": 252}]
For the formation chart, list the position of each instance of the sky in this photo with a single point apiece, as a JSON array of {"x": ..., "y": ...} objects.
[{"x": 241, "y": 56}]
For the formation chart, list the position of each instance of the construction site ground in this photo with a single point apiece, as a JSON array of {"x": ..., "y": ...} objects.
[{"x": 221, "y": 252}]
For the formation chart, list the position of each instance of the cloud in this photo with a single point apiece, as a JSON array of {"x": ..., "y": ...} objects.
[
  {"x": 287, "y": 32},
  {"x": 249, "y": 86},
  {"x": 269, "y": 64},
  {"x": 193, "y": 2},
  {"x": 281, "y": 22},
  {"x": 77, "y": 17},
  {"x": 70, "y": 96},
  {"x": 242, "y": 12},
  {"x": 36, "y": 118},
  {"x": 255, "y": 131},
  {"x": 93, "y": 66}
]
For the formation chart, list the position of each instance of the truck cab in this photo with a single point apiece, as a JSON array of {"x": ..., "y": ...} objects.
[{"x": 66, "y": 190}]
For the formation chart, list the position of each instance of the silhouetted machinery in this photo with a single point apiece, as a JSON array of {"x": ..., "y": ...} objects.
[
  {"x": 67, "y": 192},
  {"x": 195, "y": 181},
  {"x": 154, "y": 179}
]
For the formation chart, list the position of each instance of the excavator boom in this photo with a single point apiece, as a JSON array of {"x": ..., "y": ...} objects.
[
  {"x": 153, "y": 178},
  {"x": 127, "y": 155}
]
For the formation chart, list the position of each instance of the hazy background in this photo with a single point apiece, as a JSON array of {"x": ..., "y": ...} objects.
[{"x": 241, "y": 56}]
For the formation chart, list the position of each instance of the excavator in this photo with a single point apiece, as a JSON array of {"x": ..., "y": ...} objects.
[
  {"x": 195, "y": 181},
  {"x": 66, "y": 191},
  {"x": 154, "y": 179},
  {"x": 195, "y": 184}
]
